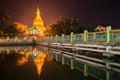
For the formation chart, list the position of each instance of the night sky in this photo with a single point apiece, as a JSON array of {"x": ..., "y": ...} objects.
[{"x": 89, "y": 12}]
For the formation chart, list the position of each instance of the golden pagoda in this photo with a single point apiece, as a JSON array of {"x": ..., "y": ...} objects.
[
  {"x": 38, "y": 25},
  {"x": 38, "y": 20}
]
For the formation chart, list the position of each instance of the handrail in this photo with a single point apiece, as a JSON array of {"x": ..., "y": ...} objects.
[{"x": 107, "y": 37}]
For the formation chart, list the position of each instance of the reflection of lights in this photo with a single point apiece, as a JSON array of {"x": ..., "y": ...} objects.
[
  {"x": 34, "y": 49},
  {"x": 49, "y": 58},
  {"x": 21, "y": 52},
  {"x": 19, "y": 55},
  {"x": 23, "y": 59},
  {"x": 38, "y": 25},
  {"x": 35, "y": 55},
  {"x": 39, "y": 61}
]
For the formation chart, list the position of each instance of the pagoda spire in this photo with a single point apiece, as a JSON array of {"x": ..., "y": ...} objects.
[
  {"x": 38, "y": 20},
  {"x": 38, "y": 10}
]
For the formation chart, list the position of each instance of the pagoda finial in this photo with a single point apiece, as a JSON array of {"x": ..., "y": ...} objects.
[{"x": 38, "y": 10}]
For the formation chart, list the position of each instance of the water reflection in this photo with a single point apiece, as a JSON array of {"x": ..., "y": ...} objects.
[
  {"x": 38, "y": 63},
  {"x": 22, "y": 58},
  {"x": 38, "y": 58},
  {"x": 16, "y": 63},
  {"x": 19, "y": 57},
  {"x": 101, "y": 69},
  {"x": 14, "y": 56}
]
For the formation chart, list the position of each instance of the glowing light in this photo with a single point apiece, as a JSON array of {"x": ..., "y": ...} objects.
[
  {"x": 20, "y": 27},
  {"x": 39, "y": 61},
  {"x": 38, "y": 25},
  {"x": 22, "y": 60}
]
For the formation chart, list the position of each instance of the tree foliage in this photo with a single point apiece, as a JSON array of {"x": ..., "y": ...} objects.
[
  {"x": 20, "y": 27},
  {"x": 4, "y": 18},
  {"x": 66, "y": 26},
  {"x": 48, "y": 31},
  {"x": 9, "y": 29}
]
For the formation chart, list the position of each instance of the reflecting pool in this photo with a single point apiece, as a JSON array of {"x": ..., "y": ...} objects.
[{"x": 41, "y": 63}]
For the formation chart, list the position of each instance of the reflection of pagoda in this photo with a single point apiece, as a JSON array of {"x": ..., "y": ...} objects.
[
  {"x": 38, "y": 25},
  {"x": 39, "y": 61},
  {"x": 38, "y": 58}
]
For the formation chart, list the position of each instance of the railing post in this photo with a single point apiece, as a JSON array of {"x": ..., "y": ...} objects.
[
  {"x": 72, "y": 63},
  {"x": 85, "y": 36},
  {"x": 24, "y": 38},
  {"x": 62, "y": 38},
  {"x": 51, "y": 39},
  {"x": 107, "y": 75},
  {"x": 8, "y": 38},
  {"x": 108, "y": 29},
  {"x": 48, "y": 39},
  {"x": 107, "y": 53},
  {"x": 63, "y": 60},
  {"x": 56, "y": 57},
  {"x": 15, "y": 38},
  {"x": 85, "y": 70},
  {"x": 71, "y": 35},
  {"x": 94, "y": 36},
  {"x": 30, "y": 38}
]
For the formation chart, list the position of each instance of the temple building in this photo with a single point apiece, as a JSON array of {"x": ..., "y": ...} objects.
[
  {"x": 100, "y": 28},
  {"x": 38, "y": 28}
]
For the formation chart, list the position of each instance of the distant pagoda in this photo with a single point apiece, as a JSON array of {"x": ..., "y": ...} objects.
[{"x": 38, "y": 28}]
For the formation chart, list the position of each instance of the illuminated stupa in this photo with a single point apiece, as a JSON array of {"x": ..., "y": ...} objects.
[
  {"x": 38, "y": 28},
  {"x": 38, "y": 20}
]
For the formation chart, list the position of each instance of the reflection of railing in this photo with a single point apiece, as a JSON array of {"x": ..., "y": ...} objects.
[
  {"x": 14, "y": 48},
  {"x": 19, "y": 55},
  {"x": 107, "y": 51},
  {"x": 105, "y": 37},
  {"x": 101, "y": 69},
  {"x": 15, "y": 41}
]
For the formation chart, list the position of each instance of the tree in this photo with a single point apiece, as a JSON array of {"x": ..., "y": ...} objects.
[
  {"x": 48, "y": 31},
  {"x": 4, "y": 17},
  {"x": 65, "y": 26},
  {"x": 11, "y": 31},
  {"x": 20, "y": 27}
]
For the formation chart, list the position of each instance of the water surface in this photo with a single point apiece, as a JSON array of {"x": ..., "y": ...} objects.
[{"x": 37, "y": 63}]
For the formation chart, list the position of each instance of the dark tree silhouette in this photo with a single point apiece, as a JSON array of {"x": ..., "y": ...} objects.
[
  {"x": 66, "y": 26},
  {"x": 4, "y": 17},
  {"x": 5, "y": 28}
]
